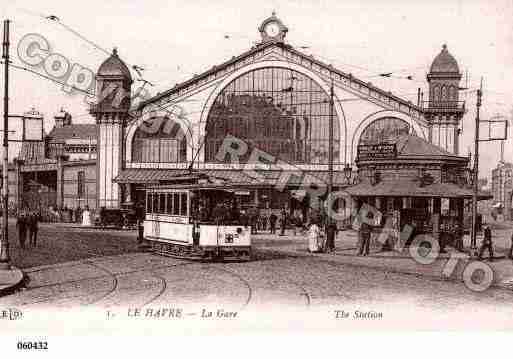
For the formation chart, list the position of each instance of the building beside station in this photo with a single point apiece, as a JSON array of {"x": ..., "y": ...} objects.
[
  {"x": 502, "y": 188},
  {"x": 58, "y": 170}
]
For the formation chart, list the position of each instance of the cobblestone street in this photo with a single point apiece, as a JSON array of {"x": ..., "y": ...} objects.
[
  {"x": 63, "y": 243},
  {"x": 68, "y": 270}
]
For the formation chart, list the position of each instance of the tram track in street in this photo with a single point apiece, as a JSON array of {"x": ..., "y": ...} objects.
[
  {"x": 115, "y": 282},
  {"x": 109, "y": 275},
  {"x": 162, "y": 290},
  {"x": 244, "y": 281}
]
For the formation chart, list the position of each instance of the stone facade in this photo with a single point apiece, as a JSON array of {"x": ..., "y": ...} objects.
[{"x": 502, "y": 188}]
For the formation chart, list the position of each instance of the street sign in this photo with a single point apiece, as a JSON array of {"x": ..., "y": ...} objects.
[
  {"x": 495, "y": 129},
  {"x": 33, "y": 129},
  {"x": 25, "y": 128}
]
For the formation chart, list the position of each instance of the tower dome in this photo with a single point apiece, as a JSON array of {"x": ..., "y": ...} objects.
[
  {"x": 444, "y": 62},
  {"x": 114, "y": 66}
]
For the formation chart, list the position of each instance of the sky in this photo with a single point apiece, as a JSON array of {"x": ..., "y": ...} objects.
[{"x": 172, "y": 40}]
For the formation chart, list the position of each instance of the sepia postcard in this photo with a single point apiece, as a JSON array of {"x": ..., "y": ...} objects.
[{"x": 231, "y": 167}]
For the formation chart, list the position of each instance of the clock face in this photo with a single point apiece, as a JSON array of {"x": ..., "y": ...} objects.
[{"x": 272, "y": 29}]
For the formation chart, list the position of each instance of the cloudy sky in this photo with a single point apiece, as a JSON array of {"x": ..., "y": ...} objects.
[{"x": 174, "y": 39}]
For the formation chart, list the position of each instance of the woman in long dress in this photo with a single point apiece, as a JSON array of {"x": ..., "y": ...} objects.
[
  {"x": 314, "y": 238},
  {"x": 86, "y": 217}
]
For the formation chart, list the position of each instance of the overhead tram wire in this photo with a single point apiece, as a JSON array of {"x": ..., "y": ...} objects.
[
  {"x": 76, "y": 33},
  {"x": 73, "y": 87},
  {"x": 56, "y": 19},
  {"x": 383, "y": 74},
  {"x": 47, "y": 77}
]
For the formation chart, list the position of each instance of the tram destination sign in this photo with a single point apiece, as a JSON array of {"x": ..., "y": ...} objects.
[{"x": 377, "y": 151}]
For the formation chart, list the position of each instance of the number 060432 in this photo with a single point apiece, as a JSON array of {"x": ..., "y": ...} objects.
[{"x": 32, "y": 345}]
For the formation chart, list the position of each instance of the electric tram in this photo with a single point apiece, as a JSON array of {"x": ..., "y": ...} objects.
[{"x": 196, "y": 221}]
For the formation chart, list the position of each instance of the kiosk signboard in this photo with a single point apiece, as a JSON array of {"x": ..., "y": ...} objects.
[{"x": 377, "y": 151}]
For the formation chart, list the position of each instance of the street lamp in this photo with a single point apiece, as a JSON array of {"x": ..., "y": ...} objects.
[{"x": 347, "y": 172}]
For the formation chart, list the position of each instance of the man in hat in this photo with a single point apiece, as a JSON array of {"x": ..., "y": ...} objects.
[
  {"x": 486, "y": 243},
  {"x": 21, "y": 225},
  {"x": 33, "y": 226},
  {"x": 365, "y": 234}
]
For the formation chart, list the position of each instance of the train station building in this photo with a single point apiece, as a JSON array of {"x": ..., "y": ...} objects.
[
  {"x": 261, "y": 120},
  {"x": 272, "y": 98}
]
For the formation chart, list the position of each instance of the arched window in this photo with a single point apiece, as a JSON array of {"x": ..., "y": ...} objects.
[
  {"x": 436, "y": 94},
  {"x": 443, "y": 94},
  {"x": 384, "y": 130},
  {"x": 279, "y": 111},
  {"x": 159, "y": 140},
  {"x": 454, "y": 93}
]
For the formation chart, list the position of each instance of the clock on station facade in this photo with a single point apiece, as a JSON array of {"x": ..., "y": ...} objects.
[{"x": 272, "y": 29}]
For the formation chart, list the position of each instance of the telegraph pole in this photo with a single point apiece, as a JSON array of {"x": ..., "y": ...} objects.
[
  {"x": 473, "y": 240},
  {"x": 4, "y": 244},
  {"x": 330, "y": 143},
  {"x": 330, "y": 234}
]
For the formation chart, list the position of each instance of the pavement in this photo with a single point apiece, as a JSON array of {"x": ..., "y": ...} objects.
[
  {"x": 10, "y": 280},
  {"x": 446, "y": 266},
  {"x": 80, "y": 243}
]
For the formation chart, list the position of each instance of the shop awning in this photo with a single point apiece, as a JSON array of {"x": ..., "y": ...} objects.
[
  {"x": 412, "y": 189},
  {"x": 148, "y": 176},
  {"x": 244, "y": 178}
]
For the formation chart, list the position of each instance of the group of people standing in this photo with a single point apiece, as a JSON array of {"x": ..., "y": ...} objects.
[
  {"x": 271, "y": 222},
  {"x": 27, "y": 224},
  {"x": 321, "y": 238}
]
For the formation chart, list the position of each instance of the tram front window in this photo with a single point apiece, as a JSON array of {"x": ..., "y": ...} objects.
[
  {"x": 215, "y": 207},
  {"x": 169, "y": 203},
  {"x": 149, "y": 202},
  {"x": 162, "y": 203},
  {"x": 155, "y": 203},
  {"x": 183, "y": 202}
]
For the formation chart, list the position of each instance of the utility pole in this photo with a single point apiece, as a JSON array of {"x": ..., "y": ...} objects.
[
  {"x": 330, "y": 143},
  {"x": 4, "y": 244},
  {"x": 473, "y": 240},
  {"x": 330, "y": 234}
]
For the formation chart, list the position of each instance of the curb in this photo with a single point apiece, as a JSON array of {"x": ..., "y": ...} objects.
[{"x": 18, "y": 281}]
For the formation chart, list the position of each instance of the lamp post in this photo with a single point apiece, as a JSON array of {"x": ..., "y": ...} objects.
[
  {"x": 347, "y": 172},
  {"x": 473, "y": 233}
]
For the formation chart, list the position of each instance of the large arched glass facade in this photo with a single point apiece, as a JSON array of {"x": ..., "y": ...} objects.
[
  {"x": 277, "y": 110},
  {"x": 159, "y": 140},
  {"x": 384, "y": 130}
]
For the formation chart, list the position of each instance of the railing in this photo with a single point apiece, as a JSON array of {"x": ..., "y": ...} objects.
[{"x": 443, "y": 105}]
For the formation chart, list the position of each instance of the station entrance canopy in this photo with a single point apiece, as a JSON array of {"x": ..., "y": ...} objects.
[{"x": 233, "y": 177}]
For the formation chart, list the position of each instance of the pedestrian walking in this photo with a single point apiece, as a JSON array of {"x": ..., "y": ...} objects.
[
  {"x": 272, "y": 222},
  {"x": 21, "y": 225},
  {"x": 365, "y": 235},
  {"x": 331, "y": 232},
  {"x": 33, "y": 228},
  {"x": 139, "y": 215},
  {"x": 314, "y": 238},
  {"x": 86, "y": 216},
  {"x": 510, "y": 254},
  {"x": 283, "y": 222},
  {"x": 486, "y": 243},
  {"x": 296, "y": 223}
]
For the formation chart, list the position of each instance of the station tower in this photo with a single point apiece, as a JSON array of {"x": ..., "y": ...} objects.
[
  {"x": 111, "y": 110},
  {"x": 444, "y": 110}
]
